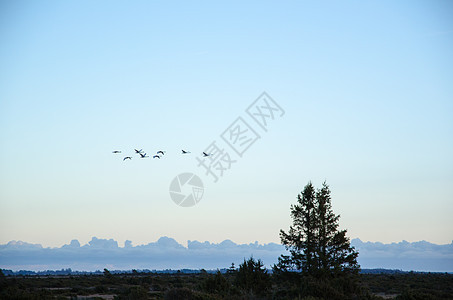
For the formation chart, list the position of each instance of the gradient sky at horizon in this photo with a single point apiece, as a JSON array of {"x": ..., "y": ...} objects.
[{"x": 366, "y": 88}]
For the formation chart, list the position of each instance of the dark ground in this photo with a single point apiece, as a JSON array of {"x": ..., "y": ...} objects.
[{"x": 209, "y": 286}]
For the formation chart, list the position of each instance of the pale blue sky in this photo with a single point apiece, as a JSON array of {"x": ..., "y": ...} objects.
[{"x": 366, "y": 86}]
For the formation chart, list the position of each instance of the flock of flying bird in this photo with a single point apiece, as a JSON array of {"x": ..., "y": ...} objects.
[{"x": 158, "y": 154}]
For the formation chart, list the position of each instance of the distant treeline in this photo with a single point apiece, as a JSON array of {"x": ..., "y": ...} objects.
[{"x": 70, "y": 272}]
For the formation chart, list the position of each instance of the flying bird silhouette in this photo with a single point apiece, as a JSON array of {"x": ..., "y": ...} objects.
[
  {"x": 143, "y": 155},
  {"x": 185, "y": 152},
  {"x": 161, "y": 152},
  {"x": 206, "y": 154},
  {"x": 116, "y": 151},
  {"x": 156, "y": 156},
  {"x": 127, "y": 157},
  {"x": 138, "y": 151}
]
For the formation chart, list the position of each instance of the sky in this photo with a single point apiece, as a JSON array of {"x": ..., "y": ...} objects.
[{"x": 365, "y": 86}]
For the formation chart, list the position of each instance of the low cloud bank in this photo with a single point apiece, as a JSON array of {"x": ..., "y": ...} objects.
[
  {"x": 166, "y": 253},
  {"x": 416, "y": 256}
]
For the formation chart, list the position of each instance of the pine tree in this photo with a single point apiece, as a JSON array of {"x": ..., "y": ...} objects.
[
  {"x": 252, "y": 277},
  {"x": 334, "y": 252},
  {"x": 315, "y": 244},
  {"x": 300, "y": 240},
  {"x": 231, "y": 269}
]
